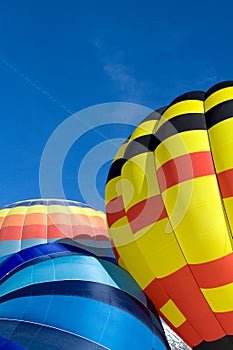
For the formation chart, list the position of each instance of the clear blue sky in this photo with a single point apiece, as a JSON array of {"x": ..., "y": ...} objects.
[{"x": 59, "y": 57}]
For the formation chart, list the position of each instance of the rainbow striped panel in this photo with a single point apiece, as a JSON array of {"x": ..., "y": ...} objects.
[
  {"x": 169, "y": 204},
  {"x": 28, "y": 223},
  {"x": 57, "y": 296}
]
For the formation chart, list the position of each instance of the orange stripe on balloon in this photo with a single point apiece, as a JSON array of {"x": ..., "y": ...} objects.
[
  {"x": 214, "y": 273},
  {"x": 146, "y": 213},
  {"x": 35, "y": 218},
  {"x": 184, "y": 168},
  {"x": 13, "y": 220},
  {"x": 225, "y": 180},
  {"x": 115, "y": 210}
]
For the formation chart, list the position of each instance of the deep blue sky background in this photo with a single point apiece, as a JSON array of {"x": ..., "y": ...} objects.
[{"x": 58, "y": 57}]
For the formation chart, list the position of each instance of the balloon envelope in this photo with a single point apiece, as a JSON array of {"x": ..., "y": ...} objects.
[
  {"x": 28, "y": 223},
  {"x": 169, "y": 203},
  {"x": 56, "y": 296}
]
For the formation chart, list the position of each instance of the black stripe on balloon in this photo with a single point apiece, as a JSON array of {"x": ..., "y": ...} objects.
[
  {"x": 149, "y": 143},
  {"x": 225, "y": 343},
  {"x": 218, "y": 113},
  {"x": 155, "y": 115},
  {"x": 115, "y": 169},
  {"x": 179, "y": 124},
  {"x": 192, "y": 95},
  {"x": 143, "y": 144},
  {"x": 91, "y": 290},
  {"x": 35, "y": 336},
  {"x": 217, "y": 87}
]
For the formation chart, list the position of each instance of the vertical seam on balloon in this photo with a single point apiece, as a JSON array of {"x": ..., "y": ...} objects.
[
  {"x": 220, "y": 195},
  {"x": 46, "y": 223},
  {"x": 224, "y": 212},
  {"x": 93, "y": 228},
  {"x": 22, "y": 227},
  {"x": 4, "y": 218},
  {"x": 69, "y": 213},
  {"x": 187, "y": 264}
]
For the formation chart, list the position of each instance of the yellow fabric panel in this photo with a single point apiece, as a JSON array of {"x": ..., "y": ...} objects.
[
  {"x": 113, "y": 189},
  {"x": 220, "y": 298},
  {"x": 160, "y": 249},
  {"x": 18, "y": 210},
  {"x": 121, "y": 263},
  {"x": 183, "y": 107},
  {"x": 172, "y": 313},
  {"x": 228, "y": 204},
  {"x": 145, "y": 128},
  {"x": 121, "y": 232},
  {"x": 139, "y": 179},
  {"x": 198, "y": 219},
  {"x": 182, "y": 143},
  {"x": 4, "y": 212},
  {"x": 32, "y": 209},
  {"x": 134, "y": 262},
  {"x": 221, "y": 140},
  {"x": 71, "y": 210},
  {"x": 121, "y": 151},
  {"x": 217, "y": 97}
]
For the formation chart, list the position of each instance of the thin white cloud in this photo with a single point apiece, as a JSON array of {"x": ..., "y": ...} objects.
[
  {"x": 120, "y": 74},
  {"x": 130, "y": 88}
]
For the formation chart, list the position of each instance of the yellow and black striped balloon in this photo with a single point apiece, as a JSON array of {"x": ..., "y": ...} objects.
[{"x": 169, "y": 204}]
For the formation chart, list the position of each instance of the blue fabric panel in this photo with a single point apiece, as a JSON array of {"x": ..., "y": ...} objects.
[
  {"x": 6, "y": 344},
  {"x": 39, "y": 337},
  {"x": 91, "y": 319},
  {"x": 57, "y": 265},
  {"x": 92, "y": 290},
  {"x": 47, "y": 251},
  {"x": 16, "y": 260}
]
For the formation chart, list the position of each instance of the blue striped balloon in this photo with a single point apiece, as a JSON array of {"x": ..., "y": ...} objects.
[{"x": 59, "y": 297}]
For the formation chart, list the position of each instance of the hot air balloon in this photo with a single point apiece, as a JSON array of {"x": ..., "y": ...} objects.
[
  {"x": 57, "y": 295},
  {"x": 169, "y": 204},
  {"x": 28, "y": 223}
]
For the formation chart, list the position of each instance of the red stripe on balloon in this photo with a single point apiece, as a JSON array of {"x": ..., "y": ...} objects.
[
  {"x": 115, "y": 210},
  {"x": 52, "y": 231},
  {"x": 184, "y": 168},
  {"x": 11, "y": 233},
  {"x": 146, "y": 213},
  {"x": 225, "y": 180},
  {"x": 184, "y": 291},
  {"x": 214, "y": 273},
  {"x": 156, "y": 292},
  {"x": 188, "y": 334},
  {"x": 226, "y": 320},
  {"x": 186, "y": 294}
]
